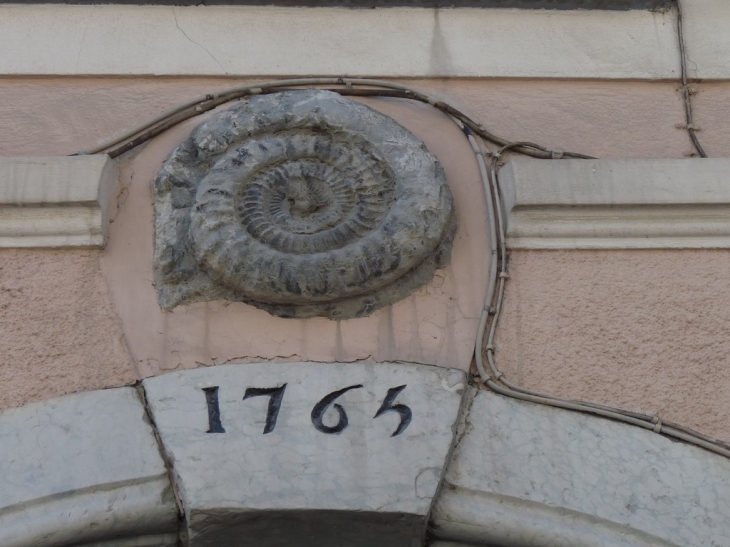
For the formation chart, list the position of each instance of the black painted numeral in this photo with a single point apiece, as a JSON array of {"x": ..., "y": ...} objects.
[
  {"x": 214, "y": 411},
  {"x": 405, "y": 413},
  {"x": 321, "y": 407},
  {"x": 276, "y": 394}
]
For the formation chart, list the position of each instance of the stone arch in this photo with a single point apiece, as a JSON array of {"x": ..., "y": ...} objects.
[{"x": 111, "y": 467}]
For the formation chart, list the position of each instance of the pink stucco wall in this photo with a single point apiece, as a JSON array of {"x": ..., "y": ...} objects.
[
  {"x": 642, "y": 329},
  {"x": 603, "y": 118},
  {"x": 645, "y": 330},
  {"x": 58, "y": 331}
]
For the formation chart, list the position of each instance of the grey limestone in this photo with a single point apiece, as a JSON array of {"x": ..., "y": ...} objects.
[
  {"x": 259, "y": 451},
  {"x": 302, "y": 203},
  {"x": 81, "y": 469},
  {"x": 524, "y": 4},
  {"x": 617, "y": 204},
  {"x": 526, "y": 474}
]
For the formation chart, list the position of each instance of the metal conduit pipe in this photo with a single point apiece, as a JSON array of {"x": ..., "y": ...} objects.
[{"x": 142, "y": 133}]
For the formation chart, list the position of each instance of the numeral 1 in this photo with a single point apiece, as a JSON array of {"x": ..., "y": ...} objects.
[{"x": 214, "y": 411}]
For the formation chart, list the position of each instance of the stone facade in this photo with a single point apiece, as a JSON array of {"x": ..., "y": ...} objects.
[{"x": 263, "y": 319}]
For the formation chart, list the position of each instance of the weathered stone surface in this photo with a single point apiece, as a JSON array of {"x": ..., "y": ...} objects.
[
  {"x": 260, "y": 451},
  {"x": 302, "y": 203},
  {"x": 617, "y": 204},
  {"x": 82, "y": 469},
  {"x": 526, "y": 474},
  {"x": 526, "y": 4},
  {"x": 238, "y": 42}
]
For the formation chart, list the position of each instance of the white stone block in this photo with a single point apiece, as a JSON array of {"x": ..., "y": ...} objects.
[
  {"x": 526, "y": 474},
  {"x": 289, "y": 466},
  {"x": 393, "y": 42},
  {"x": 706, "y": 36},
  {"x": 82, "y": 469},
  {"x": 617, "y": 204},
  {"x": 55, "y": 201}
]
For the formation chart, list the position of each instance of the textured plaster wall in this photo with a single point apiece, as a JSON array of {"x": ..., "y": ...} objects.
[
  {"x": 645, "y": 330},
  {"x": 58, "y": 331},
  {"x": 606, "y": 119},
  {"x": 711, "y": 110}
]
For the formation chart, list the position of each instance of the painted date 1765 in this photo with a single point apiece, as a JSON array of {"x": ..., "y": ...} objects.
[{"x": 276, "y": 396}]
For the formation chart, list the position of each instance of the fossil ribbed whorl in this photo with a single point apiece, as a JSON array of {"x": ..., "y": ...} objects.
[{"x": 302, "y": 203}]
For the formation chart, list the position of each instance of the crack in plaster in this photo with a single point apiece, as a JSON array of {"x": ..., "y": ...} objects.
[
  {"x": 201, "y": 46},
  {"x": 83, "y": 38}
]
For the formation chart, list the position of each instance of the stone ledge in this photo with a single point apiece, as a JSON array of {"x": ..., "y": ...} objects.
[
  {"x": 55, "y": 201},
  {"x": 518, "y": 4},
  {"x": 275, "y": 41},
  {"x": 617, "y": 204}
]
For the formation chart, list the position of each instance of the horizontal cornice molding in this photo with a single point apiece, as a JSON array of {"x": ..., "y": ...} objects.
[
  {"x": 617, "y": 204},
  {"x": 280, "y": 41},
  {"x": 55, "y": 201},
  {"x": 519, "y": 4}
]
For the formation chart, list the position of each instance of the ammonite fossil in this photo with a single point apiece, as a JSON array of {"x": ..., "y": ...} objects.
[{"x": 302, "y": 203}]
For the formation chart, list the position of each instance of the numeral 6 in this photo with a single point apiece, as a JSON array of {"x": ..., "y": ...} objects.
[{"x": 321, "y": 407}]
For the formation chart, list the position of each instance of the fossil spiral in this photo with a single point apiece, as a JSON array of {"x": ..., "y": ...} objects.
[{"x": 302, "y": 203}]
